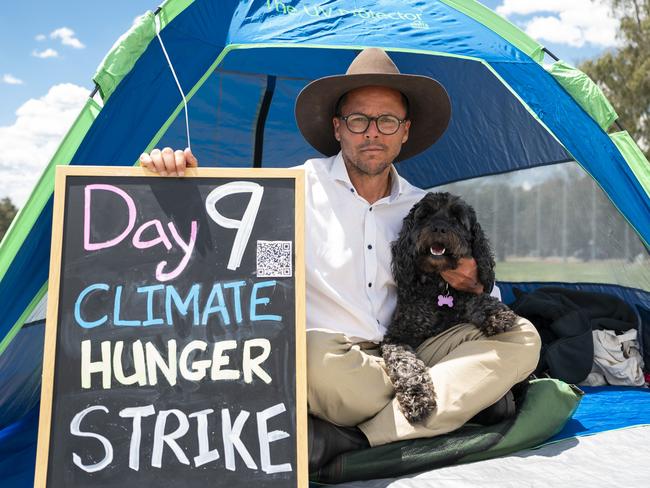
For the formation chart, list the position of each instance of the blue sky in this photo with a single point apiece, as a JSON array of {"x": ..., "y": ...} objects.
[
  {"x": 49, "y": 51},
  {"x": 95, "y": 25}
]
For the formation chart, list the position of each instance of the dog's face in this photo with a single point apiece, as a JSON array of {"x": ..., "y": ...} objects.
[
  {"x": 441, "y": 232},
  {"x": 438, "y": 231}
]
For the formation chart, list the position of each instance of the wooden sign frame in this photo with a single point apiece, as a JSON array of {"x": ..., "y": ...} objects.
[{"x": 64, "y": 172}]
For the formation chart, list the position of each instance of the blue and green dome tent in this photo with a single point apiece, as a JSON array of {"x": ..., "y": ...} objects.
[{"x": 240, "y": 65}]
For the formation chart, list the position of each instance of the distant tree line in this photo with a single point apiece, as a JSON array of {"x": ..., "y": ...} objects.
[
  {"x": 7, "y": 213},
  {"x": 624, "y": 73},
  {"x": 567, "y": 215}
]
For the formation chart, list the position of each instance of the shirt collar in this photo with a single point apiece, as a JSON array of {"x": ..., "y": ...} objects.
[{"x": 339, "y": 172}]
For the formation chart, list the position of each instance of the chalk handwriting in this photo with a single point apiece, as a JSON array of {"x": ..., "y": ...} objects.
[
  {"x": 245, "y": 225},
  {"x": 187, "y": 246},
  {"x": 223, "y": 301},
  {"x": 231, "y": 440},
  {"x": 148, "y": 361}
]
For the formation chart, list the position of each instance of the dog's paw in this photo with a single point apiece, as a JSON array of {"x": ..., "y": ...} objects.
[
  {"x": 499, "y": 322},
  {"x": 416, "y": 397}
]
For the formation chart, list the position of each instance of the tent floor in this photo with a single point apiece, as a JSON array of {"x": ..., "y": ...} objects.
[{"x": 616, "y": 458}]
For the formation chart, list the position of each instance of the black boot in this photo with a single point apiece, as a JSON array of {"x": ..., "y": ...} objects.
[
  {"x": 504, "y": 408},
  {"x": 327, "y": 441}
]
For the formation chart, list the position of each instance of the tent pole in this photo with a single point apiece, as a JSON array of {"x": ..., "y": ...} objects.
[
  {"x": 564, "y": 240},
  {"x": 538, "y": 221},
  {"x": 261, "y": 121},
  {"x": 550, "y": 54}
]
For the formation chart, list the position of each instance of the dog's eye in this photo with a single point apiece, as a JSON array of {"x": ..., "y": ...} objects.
[{"x": 461, "y": 215}]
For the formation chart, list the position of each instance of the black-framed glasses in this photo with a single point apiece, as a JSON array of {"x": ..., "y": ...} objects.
[{"x": 359, "y": 123}]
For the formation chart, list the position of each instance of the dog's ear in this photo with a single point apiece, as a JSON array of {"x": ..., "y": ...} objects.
[
  {"x": 403, "y": 250},
  {"x": 482, "y": 252}
]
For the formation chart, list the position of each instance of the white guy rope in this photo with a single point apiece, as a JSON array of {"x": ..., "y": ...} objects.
[{"x": 187, "y": 122}]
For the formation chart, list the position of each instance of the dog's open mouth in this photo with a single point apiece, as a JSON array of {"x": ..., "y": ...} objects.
[{"x": 437, "y": 250}]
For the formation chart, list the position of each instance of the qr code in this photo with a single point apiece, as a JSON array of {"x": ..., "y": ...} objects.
[{"x": 273, "y": 258}]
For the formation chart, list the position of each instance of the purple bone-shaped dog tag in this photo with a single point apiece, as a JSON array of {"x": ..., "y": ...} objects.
[{"x": 445, "y": 300}]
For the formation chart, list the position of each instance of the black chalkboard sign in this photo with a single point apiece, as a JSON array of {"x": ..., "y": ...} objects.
[{"x": 175, "y": 335}]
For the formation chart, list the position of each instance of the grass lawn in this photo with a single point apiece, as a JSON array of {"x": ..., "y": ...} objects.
[{"x": 607, "y": 271}]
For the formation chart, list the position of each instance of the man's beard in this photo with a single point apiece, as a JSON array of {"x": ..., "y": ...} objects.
[{"x": 367, "y": 168}]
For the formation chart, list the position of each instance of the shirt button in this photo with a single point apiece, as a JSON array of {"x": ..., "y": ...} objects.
[
  {"x": 352, "y": 190},
  {"x": 370, "y": 209},
  {"x": 369, "y": 285},
  {"x": 369, "y": 246}
]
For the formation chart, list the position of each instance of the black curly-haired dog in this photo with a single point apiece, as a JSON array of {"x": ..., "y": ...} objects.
[{"x": 438, "y": 231}]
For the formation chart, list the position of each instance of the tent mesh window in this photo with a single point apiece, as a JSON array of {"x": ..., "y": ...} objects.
[{"x": 554, "y": 223}]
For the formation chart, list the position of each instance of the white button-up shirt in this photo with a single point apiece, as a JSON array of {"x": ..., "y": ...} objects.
[{"x": 350, "y": 286}]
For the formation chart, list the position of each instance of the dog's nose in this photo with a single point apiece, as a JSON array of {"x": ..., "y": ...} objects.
[{"x": 436, "y": 229}]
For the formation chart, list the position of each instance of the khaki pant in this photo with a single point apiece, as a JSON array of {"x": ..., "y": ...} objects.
[{"x": 348, "y": 385}]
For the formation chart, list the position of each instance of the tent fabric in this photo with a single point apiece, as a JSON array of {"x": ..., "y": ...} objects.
[
  {"x": 20, "y": 375},
  {"x": 607, "y": 408},
  {"x": 20, "y": 386},
  {"x": 632, "y": 296},
  {"x": 584, "y": 91},
  {"x": 636, "y": 160},
  {"x": 18, "y": 451},
  {"x": 501, "y": 26},
  {"x": 128, "y": 48},
  {"x": 121, "y": 58},
  {"x": 26, "y": 277}
]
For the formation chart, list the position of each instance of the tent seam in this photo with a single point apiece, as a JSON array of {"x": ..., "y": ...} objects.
[{"x": 21, "y": 320}]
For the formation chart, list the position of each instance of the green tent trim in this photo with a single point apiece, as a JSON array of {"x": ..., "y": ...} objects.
[
  {"x": 129, "y": 47},
  {"x": 23, "y": 318},
  {"x": 584, "y": 91},
  {"x": 510, "y": 32},
  {"x": 634, "y": 158}
]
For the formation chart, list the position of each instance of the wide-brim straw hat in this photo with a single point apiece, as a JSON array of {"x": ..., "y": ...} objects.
[{"x": 429, "y": 105}]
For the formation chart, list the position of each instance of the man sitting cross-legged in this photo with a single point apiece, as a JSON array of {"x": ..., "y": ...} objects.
[{"x": 366, "y": 121}]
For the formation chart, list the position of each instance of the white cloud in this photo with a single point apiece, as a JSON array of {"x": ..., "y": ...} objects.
[
  {"x": 40, "y": 37},
  {"x": 574, "y": 22},
  {"x": 67, "y": 37},
  {"x": 46, "y": 53},
  {"x": 29, "y": 143},
  {"x": 527, "y": 7},
  {"x": 10, "y": 79},
  {"x": 553, "y": 30}
]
